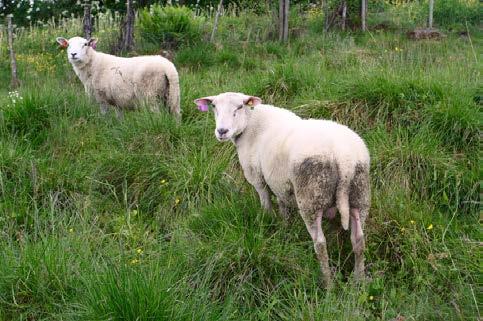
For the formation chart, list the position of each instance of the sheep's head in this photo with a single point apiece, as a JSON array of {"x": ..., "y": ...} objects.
[
  {"x": 231, "y": 110},
  {"x": 77, "y": 49}
]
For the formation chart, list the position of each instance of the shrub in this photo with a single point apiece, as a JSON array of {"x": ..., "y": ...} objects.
[{"x": 172, "y": 26}]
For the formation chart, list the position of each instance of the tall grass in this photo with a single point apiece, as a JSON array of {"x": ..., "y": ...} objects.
[{"x": 147, "y": 219}]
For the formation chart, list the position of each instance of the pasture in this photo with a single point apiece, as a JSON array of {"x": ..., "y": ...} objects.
[{"x": 147, "y": 219}]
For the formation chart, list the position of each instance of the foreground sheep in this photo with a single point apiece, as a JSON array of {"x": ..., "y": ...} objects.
[
  {"x": 123, "y": 82},
  {"x": 311, "y": 164}
]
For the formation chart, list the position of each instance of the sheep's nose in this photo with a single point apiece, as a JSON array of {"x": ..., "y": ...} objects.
[
  {"x": 73, "y": 54},
  {"x": 222, "y": 131}
]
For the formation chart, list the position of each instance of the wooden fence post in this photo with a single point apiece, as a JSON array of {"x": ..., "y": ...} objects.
[
  {"x": 344, "y": 14},
  {"x": 87, "y": 20},
  {"x": 325, "y": 11},
  {"x": 13, "y": 61},
  {"x": 363, "y": 14},
  {"x": 283, "y": 20},
  {"x": 215, "y": 25},
  {"x": 126, "y": 40}
]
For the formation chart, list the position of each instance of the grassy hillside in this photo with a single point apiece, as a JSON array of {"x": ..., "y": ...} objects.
[{"x": 144, "y": 219}]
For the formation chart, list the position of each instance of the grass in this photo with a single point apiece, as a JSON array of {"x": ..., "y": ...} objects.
[{"x": 144, "y": 219}]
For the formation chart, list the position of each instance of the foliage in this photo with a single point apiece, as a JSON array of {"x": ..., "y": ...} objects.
[
  {"x": 26, "y": 12},
  {"x": 170, "y": 26}
]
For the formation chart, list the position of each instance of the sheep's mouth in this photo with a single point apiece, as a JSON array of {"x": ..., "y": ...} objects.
[{"x": 223, "y": 138}]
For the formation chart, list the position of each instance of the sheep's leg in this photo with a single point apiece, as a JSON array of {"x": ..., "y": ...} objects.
[
  {"x": 283, "y": 209},
  {"x": 330, "y": 213},
  {"x": 154, "y": 108},
  {"x": 153, "y": 104},
  {"x": 314, "y": 227},
  {"x": 264, "y": 195},
  {"x": 358, "y": 245}
]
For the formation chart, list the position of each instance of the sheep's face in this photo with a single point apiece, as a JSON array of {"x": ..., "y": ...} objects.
[
  {"x": 77, "y": 49},
  {"x": 231, "y": 110}
]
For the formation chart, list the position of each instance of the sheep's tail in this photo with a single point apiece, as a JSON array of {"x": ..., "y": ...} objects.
[
  {"x": 172, "y": 97},
  {"x": 342, "y": 201}
]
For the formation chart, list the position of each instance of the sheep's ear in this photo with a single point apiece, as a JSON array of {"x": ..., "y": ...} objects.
[
  {"x": 92, "y": 43},
  {"x": 203, "y": 103},
  {"x": 252, "y": 101},
  {"x": 64, "y": 43}
]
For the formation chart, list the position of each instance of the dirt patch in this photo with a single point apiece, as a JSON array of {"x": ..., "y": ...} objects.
[{"x": 418, "y": 34}]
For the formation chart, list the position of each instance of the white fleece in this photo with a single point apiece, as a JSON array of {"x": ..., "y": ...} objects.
[
  {"x": 124, "y": 82},
  {"x": 271, "y": 142}
]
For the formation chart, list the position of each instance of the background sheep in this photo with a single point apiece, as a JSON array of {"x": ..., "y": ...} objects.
[
  {"x": 311, "y": 164},
  {"x": 123, "y": 82}
]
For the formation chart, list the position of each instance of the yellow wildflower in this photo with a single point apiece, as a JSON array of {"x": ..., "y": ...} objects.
[
  {"x": 163, "y": 181},
  {"x": 71, "y": 230},
  {"x": 134, "y": 261},
  {"x": 176, "y": 201},
  {"x": 412, "y": 222},
  {"x": 430, "y": 227},
  {"x": 403, "y": 229},
  {"x": 139, "y": 251},
  {"x": 371, "y": 298}
]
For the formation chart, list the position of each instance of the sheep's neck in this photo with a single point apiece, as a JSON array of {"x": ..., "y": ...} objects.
[
  {"x": 84, "y": 72},
  {"x": 248, "y": 135}
]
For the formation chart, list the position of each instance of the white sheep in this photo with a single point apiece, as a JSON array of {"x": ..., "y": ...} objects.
[
  {"x": 314, "y": 165},
  {"x": 123, "y": 82}
]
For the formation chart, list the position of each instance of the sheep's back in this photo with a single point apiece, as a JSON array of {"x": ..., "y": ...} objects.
[
  {"x": 121, "y": 81},
  {"x": 329, "y": 140}
]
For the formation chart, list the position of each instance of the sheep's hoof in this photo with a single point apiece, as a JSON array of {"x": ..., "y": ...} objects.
[
  {"x": 103, "y": 110},
  {"x": 119, "y": 114}
]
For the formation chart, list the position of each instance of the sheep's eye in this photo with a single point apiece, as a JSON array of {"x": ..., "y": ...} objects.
[
  {"x": 238, "y": 108},
  {"x": 86, "y": 44}
]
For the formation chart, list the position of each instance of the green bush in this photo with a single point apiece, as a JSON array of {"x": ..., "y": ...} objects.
[{"x": 172, "y": 26}]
